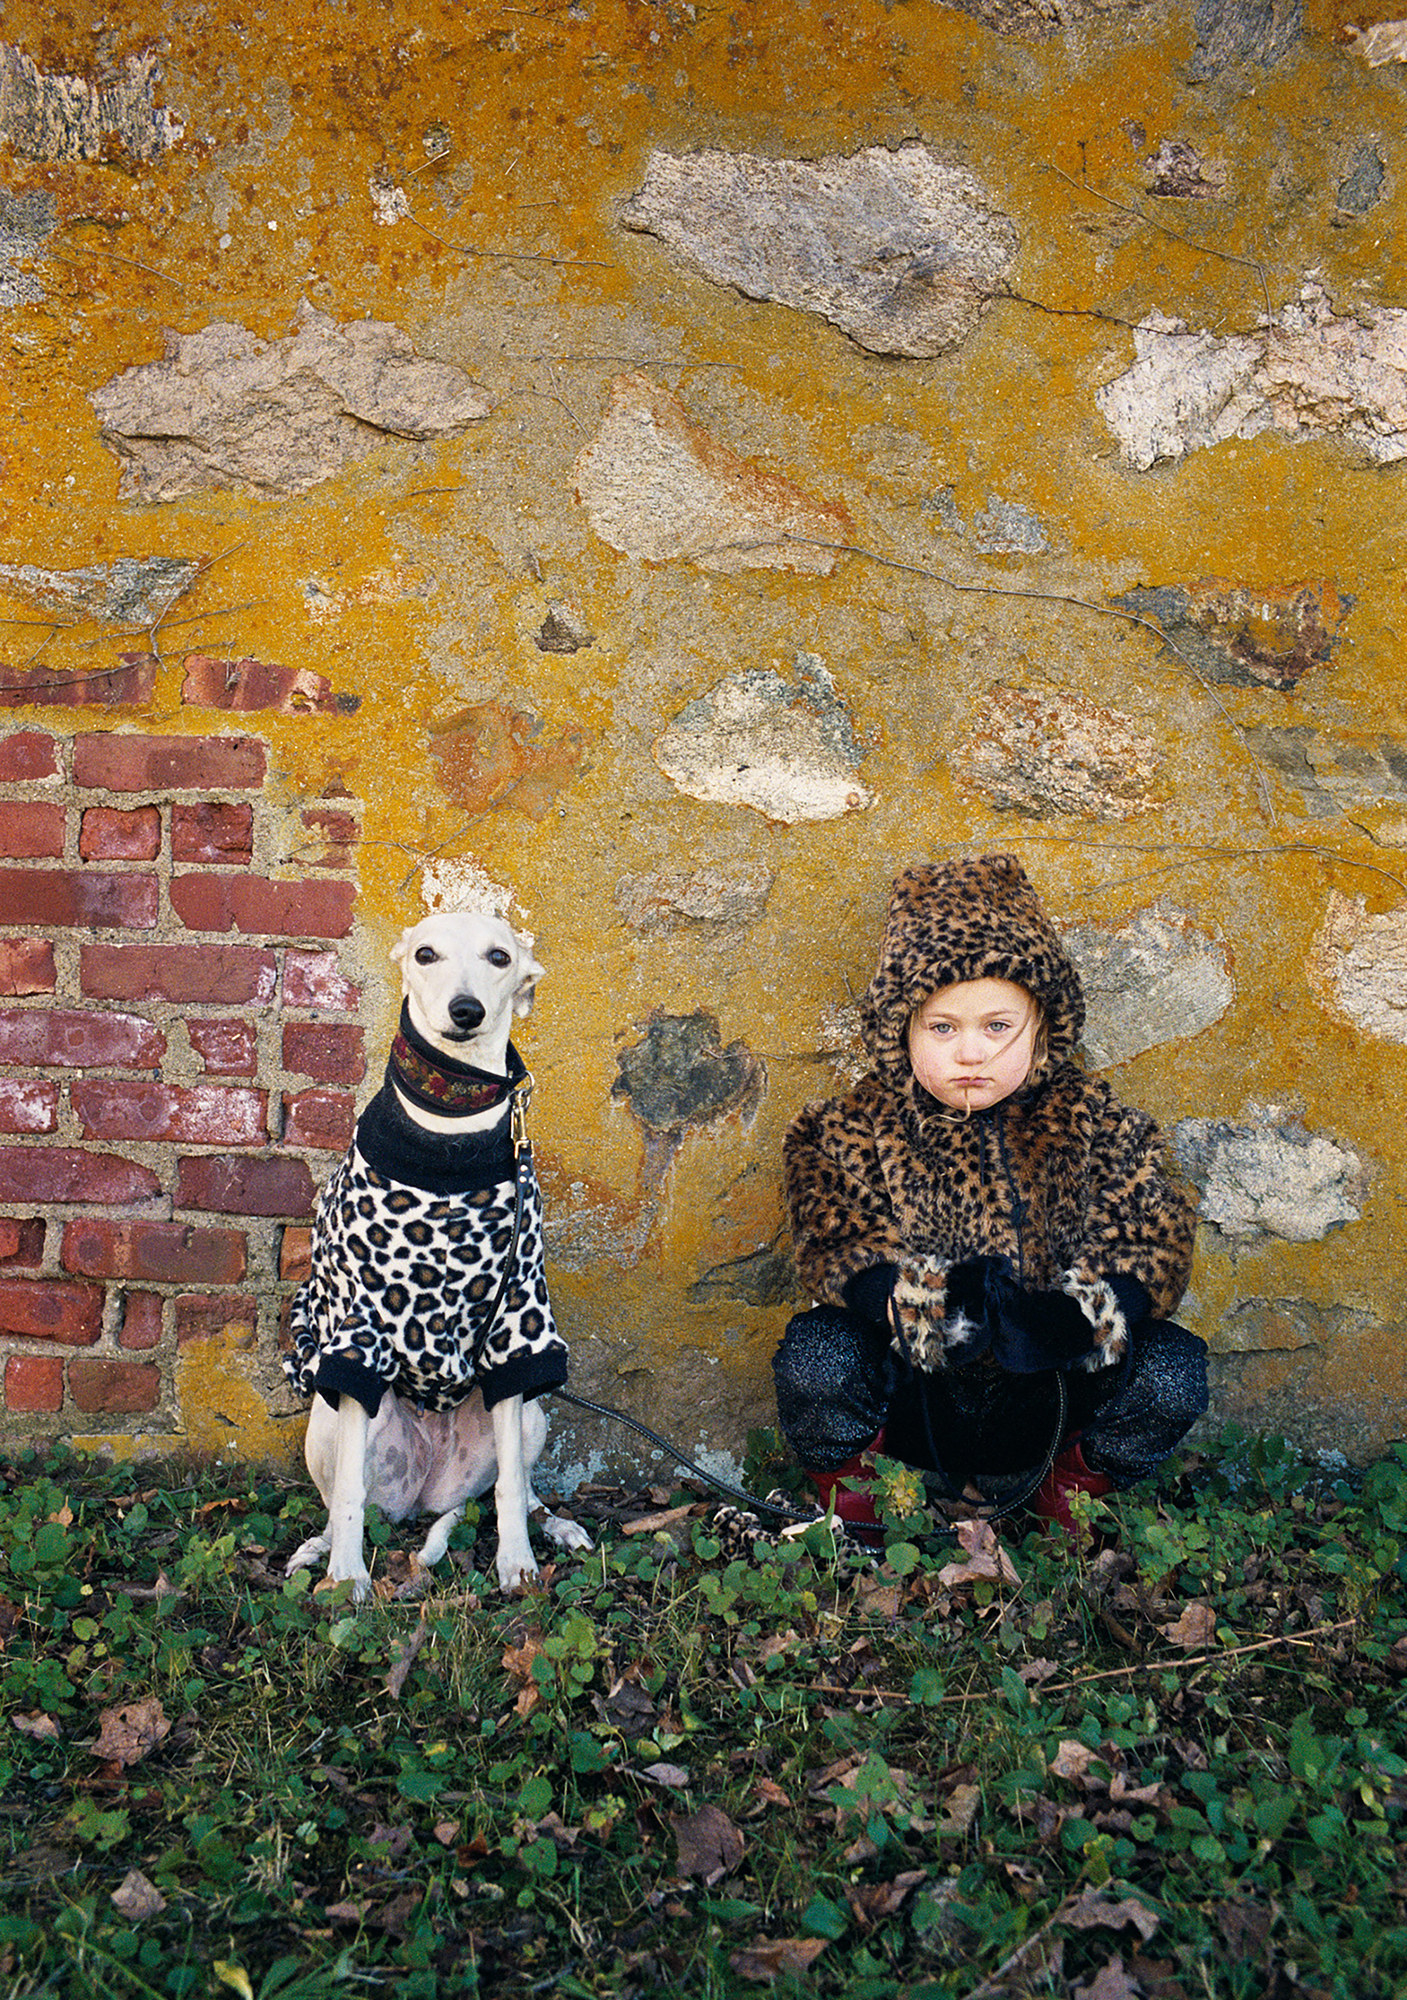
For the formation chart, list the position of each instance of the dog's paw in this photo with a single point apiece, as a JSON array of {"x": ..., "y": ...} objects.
[
  {"x": 306, "y": 1554},
  {"x": 566, "y": 1534},
  {"x": 516, "y": 1572},
  {"x": 360, "y": 1581}
]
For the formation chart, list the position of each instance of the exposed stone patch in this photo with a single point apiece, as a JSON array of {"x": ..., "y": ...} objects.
[
  {"x": 764, "y": 1278},
  {"x": 133, "y": 590},
  {"x": 56, "y": 117},
  {"x": 787, "y": 749},
  {"x": 656, "y": 485},
  {"x": 1243, "y": 32},
  {"x": 1270, "y": 1177},
  {"x": 679, "y": 1076},
  {"x": 1057, "y": 754},
  {"x": 1358, "y": 966},
  {"x": 492, "y": 755},
  {"x": 1270, "y": 1326},
  {"x": 1362, "y": 186},
  {"x": 454, "y": 883},
  {"x": 1177, "y": 172},
  {"x": 1038, "y": 20},
  {"x": 709, "y": 899},
  {"x": 563, "y": 630},
  {"x": 1249, "y": 638},
  {"x": 1308, "y": 374},
  {"x": 26, "y": 220},
  {"x": 1157, "y": 979},
  {"x": 226, "y": 409},
  {"x": 1383, "y": 42},
  {"x": 249, "y": 685},
  {"x": 1329, "y": 774},
  {"x": 1006, "y": 528},
  {"x": 898, "y": 249}
]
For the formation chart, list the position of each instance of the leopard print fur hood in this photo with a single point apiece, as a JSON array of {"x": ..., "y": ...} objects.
[{"x": 1068, "y": 1185}]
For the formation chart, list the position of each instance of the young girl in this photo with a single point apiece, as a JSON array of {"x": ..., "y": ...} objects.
[{"x": 981, "y": 1223}]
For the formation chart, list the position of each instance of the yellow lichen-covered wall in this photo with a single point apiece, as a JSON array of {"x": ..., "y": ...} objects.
[{"x": 1036, "y": 486}]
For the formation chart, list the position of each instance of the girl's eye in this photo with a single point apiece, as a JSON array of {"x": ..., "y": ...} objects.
[{"x": 1000, "y": 1027}]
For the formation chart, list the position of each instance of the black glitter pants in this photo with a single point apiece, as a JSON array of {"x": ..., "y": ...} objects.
[{"x": 839, "y": 1382}]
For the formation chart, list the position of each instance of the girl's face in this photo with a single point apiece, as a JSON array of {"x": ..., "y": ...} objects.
[{"x": 972, "y": 1044}]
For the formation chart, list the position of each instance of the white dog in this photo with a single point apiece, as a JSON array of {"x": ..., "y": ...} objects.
[{"x": 427, "y": 1270}]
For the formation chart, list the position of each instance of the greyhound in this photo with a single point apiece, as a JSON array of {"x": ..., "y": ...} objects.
[{"x": 424, "y": 1332}]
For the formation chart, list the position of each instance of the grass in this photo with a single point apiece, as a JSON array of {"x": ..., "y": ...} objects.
[{"x": 1171, "y": 1765}]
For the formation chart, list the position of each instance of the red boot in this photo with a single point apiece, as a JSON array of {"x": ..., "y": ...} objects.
[
  {"x": 848, "y": 1490},
  {"x": 1068, "y": 1474}
]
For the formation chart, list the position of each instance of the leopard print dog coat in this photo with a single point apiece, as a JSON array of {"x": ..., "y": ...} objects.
[{"x": 409, "y": 1245}]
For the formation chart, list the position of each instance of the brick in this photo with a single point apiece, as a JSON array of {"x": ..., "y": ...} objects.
[
  {"x": 314, "y": 979},
  {"x": 201, "y": 1114},
  {"x": 335, "y": 835},
  {"x": 228, "y": 1185},
  {"x": 26, "y": 966},
  {"x": 295, "y": 1253},
  {"x": 141, "y": 1320},
  {"x": 51, "y": 1309},
  {"x": 260, "y": 908},
  {"x": 325, "y": 1052},
  {"x": 34, "y": 1382},
  {"x": 22, "y": 1242},
  {"x": 321, "y": 1120},
  {"x": 45, "y": 1037},
  {"x": 68, "y": 1174},
  {"x": 245, "y": 686},
  {"x": 229, "y": 1048},
  {"x": 27, "y": 754},
  {"x": 113, "y": 1388},
  {"x": 170, "y": 1253},
  {"x": 109, "y": 834},
  {"x": 212, "y": 832},
  {"x": 63, "y": 897},
  {"x": 227, "y": 975},
  {"x": 118, "y": 762},
  {"x": 231, "y": 1316},
  {"x": 130, "y": 684},
  {"x": 28, "y": 1104},
  {"x": 30, "y": 828}
]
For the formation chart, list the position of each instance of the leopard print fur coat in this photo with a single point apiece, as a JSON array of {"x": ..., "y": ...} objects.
[{"x": 1060, "y": 1179}]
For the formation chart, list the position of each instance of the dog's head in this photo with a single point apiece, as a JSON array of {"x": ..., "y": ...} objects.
[{"x": 466, "y": 974}]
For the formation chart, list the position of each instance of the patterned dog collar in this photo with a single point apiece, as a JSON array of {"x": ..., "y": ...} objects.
[{"x": 437, "y": 1083}]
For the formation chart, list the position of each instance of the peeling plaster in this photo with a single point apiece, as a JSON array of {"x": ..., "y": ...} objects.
[
  {"x": 1358, "y": 966},
  {"x": 788, "y": 751},
  {"x": 47, "y": 116},
  {"x": 1057, "y": 754},
  {"x": 1157, "y": 979},
  {"x": 1269, "y": 1176}
]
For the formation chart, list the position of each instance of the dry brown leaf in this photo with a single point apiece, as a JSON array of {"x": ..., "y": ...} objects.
[
  {"x": 986, "y": 1560},
  {"x": 129, "y": 1733},
  {"x": 769, "y": 1958},
  {"x": 405, "y": 1657},
  {"x": 136, "y": 1898},
  {"x": 1093, "y": 1910},
  {"x": 1110, "y": 1983},
  {"x": 710, "y": 1846},
  {"x": 344, "y": 1913},
  {"x": 38, "y": 1725},
  {"x": 446, "y": 1831},
  {"x": 770, "y": 1792},
  {"x": 673, "y": 1776},
  {"x": 960, "y": 1810},
  {"x": 1195, "y": 1629},
  {"x": 872, "y": 1900}
]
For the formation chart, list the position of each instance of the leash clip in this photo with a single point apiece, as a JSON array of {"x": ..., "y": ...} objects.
[{"x": 522, "y": 1098}]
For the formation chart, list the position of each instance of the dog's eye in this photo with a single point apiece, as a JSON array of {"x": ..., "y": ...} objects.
[
  {"x": 499, "y": 957},
  {"x": 427, "y": 955}
]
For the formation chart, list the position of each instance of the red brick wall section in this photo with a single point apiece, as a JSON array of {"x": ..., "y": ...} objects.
[{"x": 180, "y": 1049}]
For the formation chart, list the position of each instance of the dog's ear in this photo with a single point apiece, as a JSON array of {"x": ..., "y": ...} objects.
[
  {"x": 400, "y": 947},
  {"x": 529, "y": 972}
]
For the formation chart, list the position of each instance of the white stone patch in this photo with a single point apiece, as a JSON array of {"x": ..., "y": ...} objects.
[
  {"x": 389, "y": 203},
  {"x": 785, "y": 750},
  {"x": 1270, "y": 1177},
  {"x": 1157, "y": 979},
  {"x": 133, "y": 590},
  {"x": 1054, "y": 753},
  {"x": 1358, "y": 965},
  {"x": 59, "y": 117},
  {"x": 1308, "y": 374},
  {"x": 1383, "y": 42},
  {"x": 461, "y": 884},
  {"x": 899, "y": 249},
  {"x": 226, "y": 409},
  {"x": 658, "y": 486}
]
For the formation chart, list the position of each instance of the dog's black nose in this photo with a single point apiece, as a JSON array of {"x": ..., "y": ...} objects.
[{"x": 465, "y": 1011}]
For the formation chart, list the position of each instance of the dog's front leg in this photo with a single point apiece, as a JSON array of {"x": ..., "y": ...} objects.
[
  {"x": 516, "y": 1565},
  {"x": 346, "y": 1509}
]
